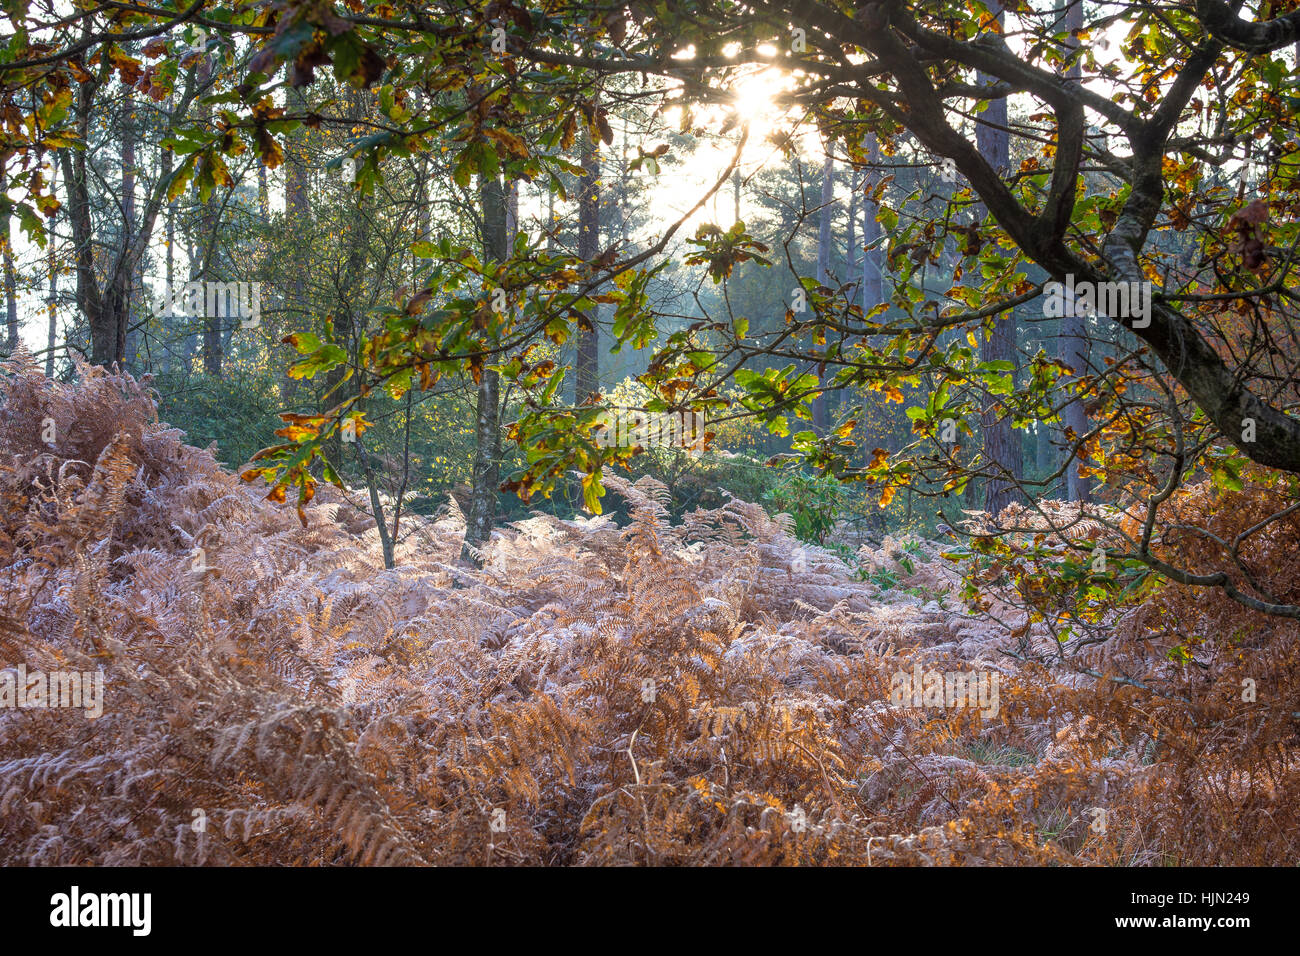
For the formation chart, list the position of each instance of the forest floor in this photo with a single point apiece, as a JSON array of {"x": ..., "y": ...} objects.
[{"x": 709, "y": 691}]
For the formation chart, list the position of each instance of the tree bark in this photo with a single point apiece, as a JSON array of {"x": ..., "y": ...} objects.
[
  {"x": 875, "y": 432},
  {"x": 107, "y": 307},
  {"x": 873, "y": 270},
  {"x": 52, "y": 276},
  {"x": 131, "y": 333},
  {"x": 587, "y": 370},
  {"x": 211, "y": 224},
  {"x": 825, "y": 219},
  {"x": 167, "y": 326},
  {"x": 349, "y": 312},
  {"x": 1001, "y": 442},
  {"x": 11, "y": 292},
  {"x": 487, "y": 417},
  {"x": 1074, "y": 334},
  {"x": 297, "y": 215}
]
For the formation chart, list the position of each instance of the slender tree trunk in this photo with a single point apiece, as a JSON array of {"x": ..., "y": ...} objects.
[
  {"x": 212, "y": 338},
  {"x": 1074, "y": 332},
  {"x": 52, "y": 277},
  {"x": 1043, "y": 449},
  {"x": 99, "y": 309},
  {"x": 873, "y": 293},
  {"x": 487, "y": 417},
  {"x": 166, "y": 325},
  {"x": 350, "y": 310},
  {"x": 512, "y": 214},
  {"x": 105, "y": 311},
  {"x": 851, "y": 249},
  {"x": 190, "y": 347},
  {"x": 1001, "y": 442},
  {"x": 824, "y": 258},
  {"x": 423, "y": 209},
  {"x": 297, "y": 214},
  {"x": 91, "y": 304},
  {"x": 587, "y": 372},
  {"x": 131, "y": 335},
  {"x": 11, "y": 292},
  {"x": 550, "y": 223}
]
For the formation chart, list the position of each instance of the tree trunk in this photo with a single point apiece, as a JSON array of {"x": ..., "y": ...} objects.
[
  {"x": 190, "y": 340},
  {"x": 11, "y": 292},
  {"x": 824, "y": 239},
  {"x": 297, "y": 214},
  {"x": 131, "y": 334},
  {"x": 103, "y": 323},
  {"x": 1001, "y": 442},
  {"x": 52, "y": 276},
  {"x": 167, "y": 327},
  {"x": 1074, "y": 334},
  {"x": 386, "y": 543},
  {"x": 851, "y": 238},
  {"x": 210, "y": 219},
  {"x": 550, "y": 222},
  {"x": 587, "y": 371},
  {"x": 487, "y": 416},
  {"x": 107, "y": 308},
  {"x": 349, "y": 311},
  {"x": 1044, "y": 451},
  {"x": 873, "y": 292},
  {"x": 101, "y": 310},
  {"x": 512, "y": 215}
]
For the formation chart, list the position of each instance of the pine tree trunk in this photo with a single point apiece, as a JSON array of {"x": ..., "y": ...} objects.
[
  {"x": 872, "y": 258},
  {"x": 824, "y": 239},
  {"x": 851, "y": 249},
  {"x": 875, "y": 434}
]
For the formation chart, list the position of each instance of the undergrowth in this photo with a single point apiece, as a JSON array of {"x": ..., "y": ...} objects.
[{"x": 654, "y": 693}]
